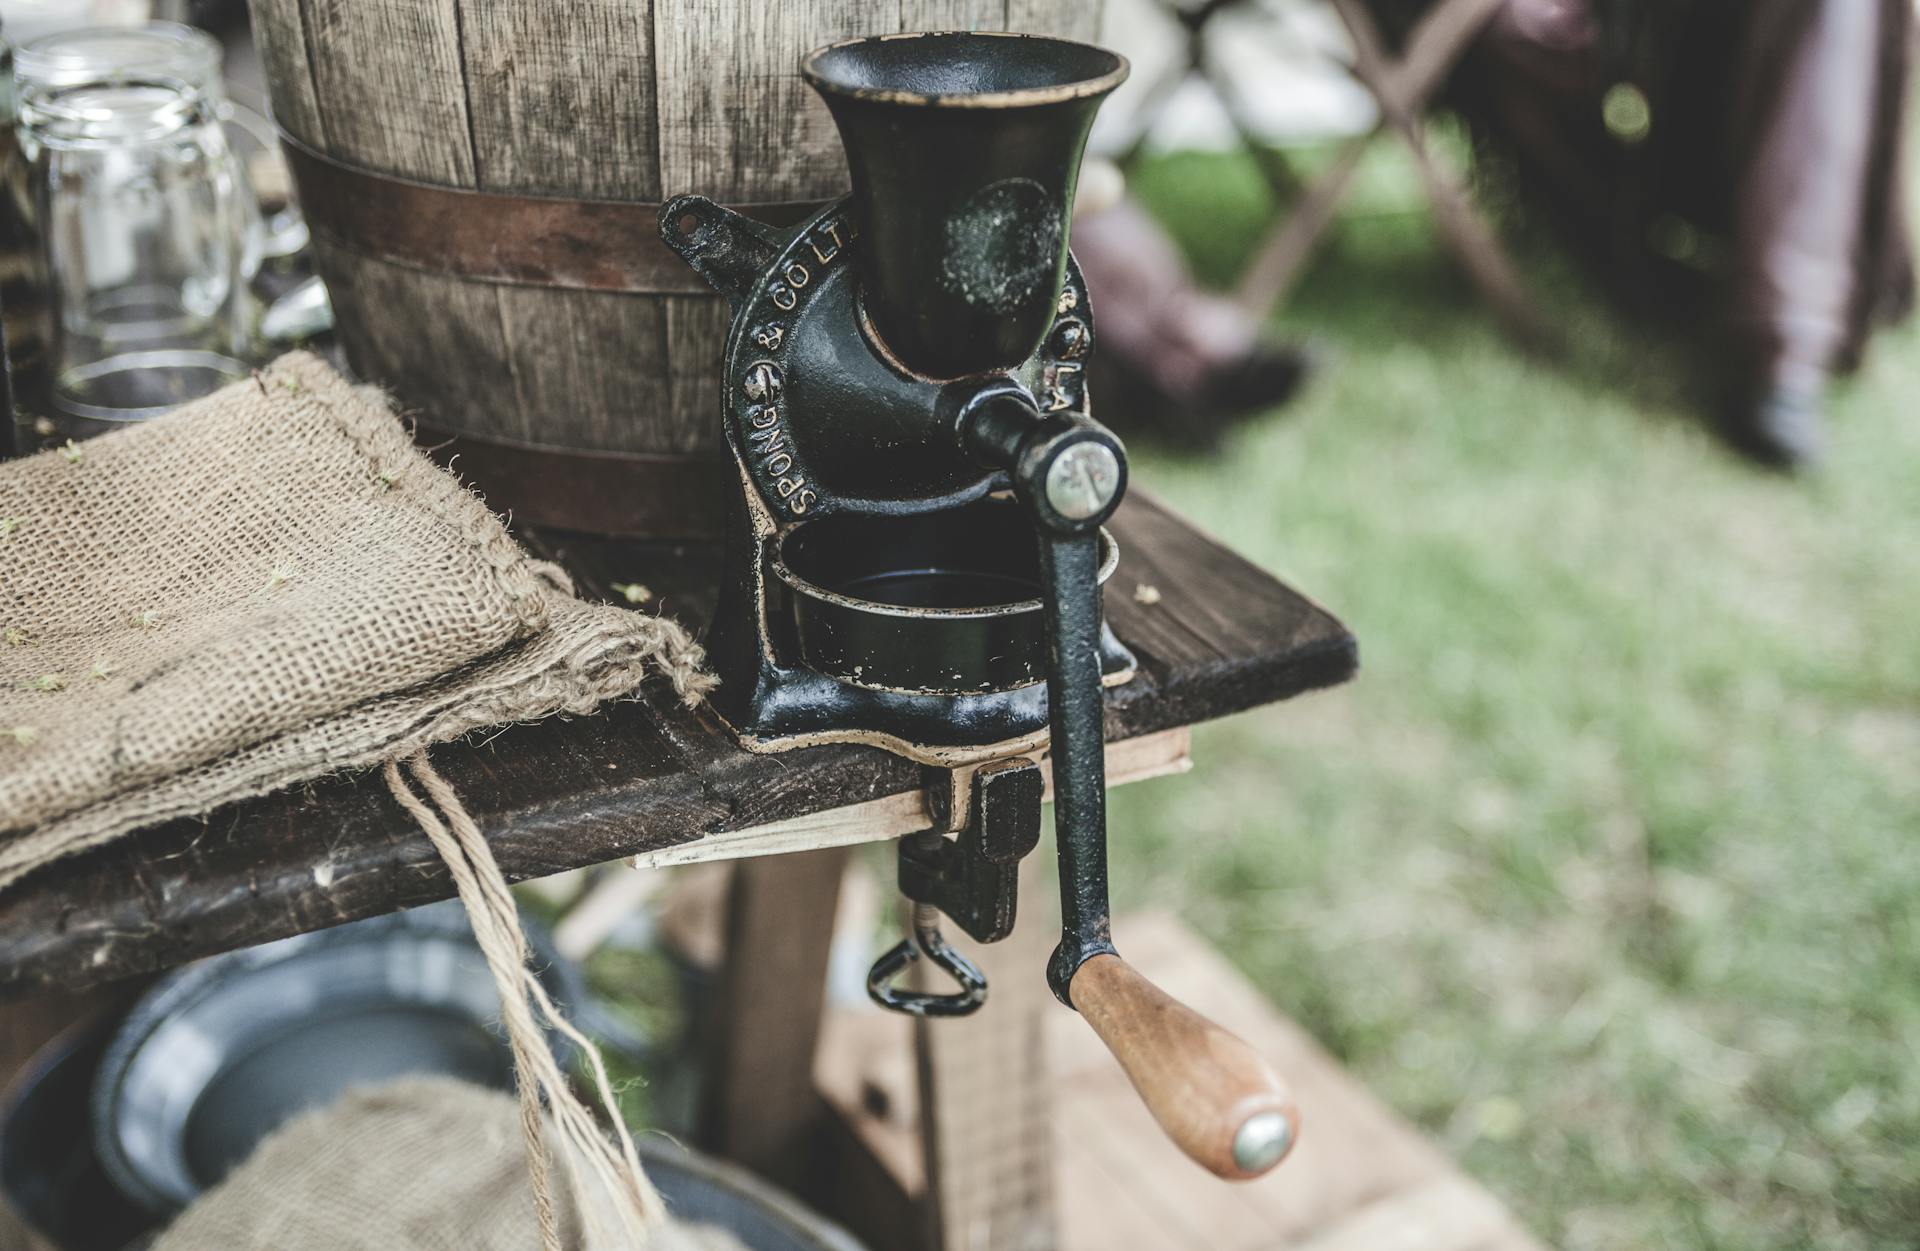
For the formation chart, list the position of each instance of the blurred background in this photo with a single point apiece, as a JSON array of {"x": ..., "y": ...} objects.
[
  {"x": 1604, "y": 868},
  {"x": 1557, "y": 346}
]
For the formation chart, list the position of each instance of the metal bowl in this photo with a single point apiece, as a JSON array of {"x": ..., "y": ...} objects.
[
  {"x": 49, "y": 1173},
  {"x": 699, "y": 1189},
  {"x": 220, "y": 1053},
  {"x": 944, "y": 603},
  {"x": 52, "y": 1178}
]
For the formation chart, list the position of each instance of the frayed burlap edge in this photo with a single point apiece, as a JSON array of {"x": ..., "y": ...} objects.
[
  {"x": 359, "y": 462},
  {"x": 587, "y": 655},
  {"x": 365, "y": 414}
]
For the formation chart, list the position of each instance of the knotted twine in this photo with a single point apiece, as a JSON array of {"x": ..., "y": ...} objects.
[
  {"x": 496, "y": 924},
  {"x": 274, "y": 584}
]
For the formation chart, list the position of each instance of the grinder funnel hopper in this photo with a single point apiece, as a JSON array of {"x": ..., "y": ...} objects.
[{"x": 964, "y": 150}]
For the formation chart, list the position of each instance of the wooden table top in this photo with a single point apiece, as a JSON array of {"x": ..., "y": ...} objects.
[{"x": 638, "y": 776}]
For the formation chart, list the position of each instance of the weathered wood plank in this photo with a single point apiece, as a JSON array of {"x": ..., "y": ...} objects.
[
  {"x": 759, "y": 1107},
  {"x": 599, "y": 351},
  {"x": 280, "y": 34},
  {"x": 1128, "y": 760},
  {"x": 1068, "y": 19},
  {"x": 1447, "y": 1214},
  {"x": 889, "y": 816},
  {"x": 736, "y": 121},
  {"x": 1123, "y": 1219},
  {"x": 441, "y": 334},
  {"x": 389, "y": 86},
  {"x": 562, "y": 97},
  {"x": 953, "y": 14},
  {"x": 562, "y": 103},
  {"x": 987, "y": 1133},
  {"x": 695, "y": 342},
  {"x": 636, "y": 777}
]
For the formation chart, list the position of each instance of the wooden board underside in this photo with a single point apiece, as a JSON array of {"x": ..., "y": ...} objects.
[{"x": 1130, "y": 760}]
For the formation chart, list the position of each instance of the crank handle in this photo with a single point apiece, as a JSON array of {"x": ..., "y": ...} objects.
[{"x": 1215, "y": 1096}]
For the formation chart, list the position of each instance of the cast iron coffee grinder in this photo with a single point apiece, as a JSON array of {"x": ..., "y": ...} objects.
[{"x": 915, "y": 556}]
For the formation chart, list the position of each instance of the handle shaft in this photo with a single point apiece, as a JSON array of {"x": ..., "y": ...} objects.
[
  {"x": 1069, "y": 568},
  {"x": 1215, "y": 1096}
]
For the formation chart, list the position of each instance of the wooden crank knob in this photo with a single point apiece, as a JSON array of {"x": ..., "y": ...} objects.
[{"x": 1215, "y": 1096}]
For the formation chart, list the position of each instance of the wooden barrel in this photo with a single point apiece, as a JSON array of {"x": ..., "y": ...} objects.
[{"x": 583, "y": 390}]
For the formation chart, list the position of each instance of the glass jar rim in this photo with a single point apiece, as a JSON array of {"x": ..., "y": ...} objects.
[
  {"x": 110, "y": 112},
  {"x": 91, "y": 54}
]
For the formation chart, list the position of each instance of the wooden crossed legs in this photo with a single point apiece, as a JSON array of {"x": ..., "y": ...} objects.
[{"x": 1402, "y": 88}]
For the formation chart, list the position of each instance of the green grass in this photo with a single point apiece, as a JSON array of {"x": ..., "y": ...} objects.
[{"x": 1605, "y": 868}]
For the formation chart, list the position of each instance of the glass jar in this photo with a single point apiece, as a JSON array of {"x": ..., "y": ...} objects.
[
  {"x": 25, "y": 320},
  {"x": 142, "y": 217},
  {"x": 163, "y": 50}
]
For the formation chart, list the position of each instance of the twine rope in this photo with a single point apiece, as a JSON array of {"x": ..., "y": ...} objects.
[{"x": 496, "y": 926}]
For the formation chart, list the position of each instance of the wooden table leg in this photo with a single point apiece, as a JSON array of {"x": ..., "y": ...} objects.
[
  {"x": 986, "y": 1101},
  {"x": 759, "y": 1105},
  {"x": 1282, "y": 256}
]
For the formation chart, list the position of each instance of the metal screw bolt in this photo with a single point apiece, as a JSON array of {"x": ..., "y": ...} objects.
[
  {"x": 1070, "y": 339},
  {"x": 1261, "y": 1141},
  {"x": 1082, "y": 480},
  {"x": 762, "y": 382}
]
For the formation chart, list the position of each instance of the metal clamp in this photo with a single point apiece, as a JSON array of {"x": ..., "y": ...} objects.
[
  {"x": 974, "y": 877},
  {"x": 928, "y": 941}
]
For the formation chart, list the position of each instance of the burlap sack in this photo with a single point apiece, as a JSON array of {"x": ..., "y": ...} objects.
[
  {"x": 426, "y": 1164},
  {"x": 269, "y": 585}
]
